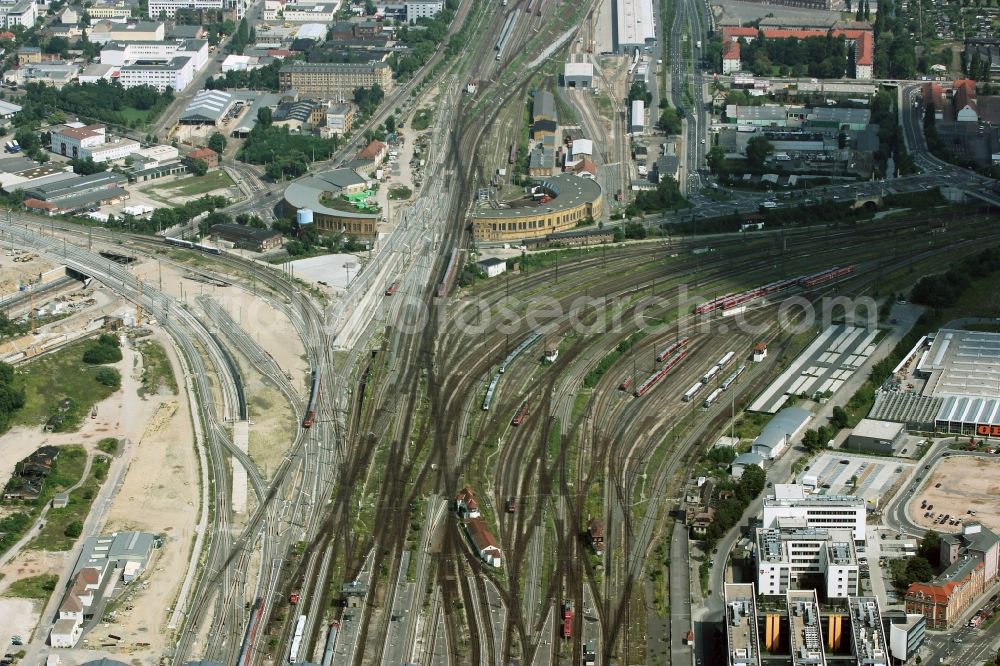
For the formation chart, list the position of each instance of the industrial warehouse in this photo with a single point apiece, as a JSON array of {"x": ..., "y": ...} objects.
[{"x": 949, "y": 382}]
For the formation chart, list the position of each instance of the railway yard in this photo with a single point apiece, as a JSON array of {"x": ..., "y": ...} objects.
[{"x": 427, "y": 469}]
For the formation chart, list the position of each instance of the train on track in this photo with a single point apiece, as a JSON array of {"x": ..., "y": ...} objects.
[
  {"x": 683, "y": 342},
  {"x": 310, "y": 416},
  {"x": 293, "y": 652},
  {"x": 728, "y": 381},
  {"x": 690, "y": 393},
  {"x": 449, "y": 274},
  {"x": 567, "y": 619},
  {"x": 331, "y": 643},
  {"x": 512, "y": 154},
  {"x": 627, "y": 384},
  {"x": 521, "y": 413},
  {"x": 505, "y": 33},
  {"x": 528, "y": 341},
  {"x": 201, "y": 247},
  {"x": 655, "y": 378},
  {"x": 730, "y": 301},
  {"x": 712, "y": 397},
  {"x": 491, "y": 390},
  {"x": 246, "y": 649},
  {"x": 391, "y": 289}
]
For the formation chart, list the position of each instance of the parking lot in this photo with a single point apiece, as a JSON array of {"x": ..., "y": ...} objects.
[
  {"x": 954, "y": 487},
  {"x": 850, "y": 474}
]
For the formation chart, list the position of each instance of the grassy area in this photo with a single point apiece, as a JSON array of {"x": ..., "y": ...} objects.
[
  {"x": 109, "y": 445},
  {"x": 400, "y": 192},
  {"x": 193, "y": 185},
  {"x": 157, "y": 372},
  {"x": 34, "y": 587},
  {"x": 422, "y": 119},
  {"x": 49, "y": 380},
  {"x": 604, "y": 104},
  {"x": 59, "y": 533},
  {"x": 131, "y": 114}
]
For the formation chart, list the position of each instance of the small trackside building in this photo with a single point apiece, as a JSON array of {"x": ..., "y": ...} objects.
[
  {"x": 479, "y": 534},
  {"x": 638, "y": 120},
  {"x": 492, "y": 266},
  {"x": 248, "y": 238},
  {"x": 578, "y": 75}
]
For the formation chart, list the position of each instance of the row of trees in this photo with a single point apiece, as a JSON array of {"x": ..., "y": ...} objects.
[
  {"x": 943, "y": 289},
  {"x": 821, "y": 57},
  {"x": 11, "y": 397},
  {"x": 265, "y": 78},
  {"x": 895, "y": 56},
  {"x": 102, "y": 101},
  {"x": 164, "y": 218},
  {"x": 890, "y": 136}
]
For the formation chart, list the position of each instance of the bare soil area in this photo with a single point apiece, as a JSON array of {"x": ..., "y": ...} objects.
[
  {"x": 269, "y": 327},
  {"x": 20, "y": 616},
  {"x": 967, "y": 484},
  {"x": 159, "y": 495}
]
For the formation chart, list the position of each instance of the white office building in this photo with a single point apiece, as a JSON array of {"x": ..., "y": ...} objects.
[
  {"x": 235, "y": 8},
  {"x": 422, "y": 9},
  {"x": 23, "y": 12},
  {"x": 794, "y": 556},
  {"x": 818, "y": 511},
  {"x": 158, "y": 64}
]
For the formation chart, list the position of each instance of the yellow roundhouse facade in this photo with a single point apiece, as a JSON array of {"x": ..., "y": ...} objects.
[{"x": 574, "y": 199}]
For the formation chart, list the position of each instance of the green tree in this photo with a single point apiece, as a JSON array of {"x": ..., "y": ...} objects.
[
  {"x": 264, "y": 117},
  {"x": 839, "y": 417},
  {"x": 74, "y": 529},
  {"x": 639, "y": 91},
  {"x": 670, "y": 121},
  {"x": 217, "y": 142},
  {"x": 88, "y": 166},
  {"x": 716, "y": 159},
  {"x": 919, "y": 570},
  {"x": 109, "y": 377},
  {"x": 758, "y": 150},
  {"x": 198, "y": 167},
  {"x": 390, "y": 124},
  {"x": 752, "y": 482},
  {"x": 930, "y": 548}
]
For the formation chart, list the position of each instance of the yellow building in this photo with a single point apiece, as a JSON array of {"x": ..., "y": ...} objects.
[
  {"x": 334, "y": 79},
  {"x": 573, "y": 199}
]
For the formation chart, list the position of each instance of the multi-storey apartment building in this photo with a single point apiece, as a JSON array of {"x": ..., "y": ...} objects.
[{"x": 334, "y": 80}]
